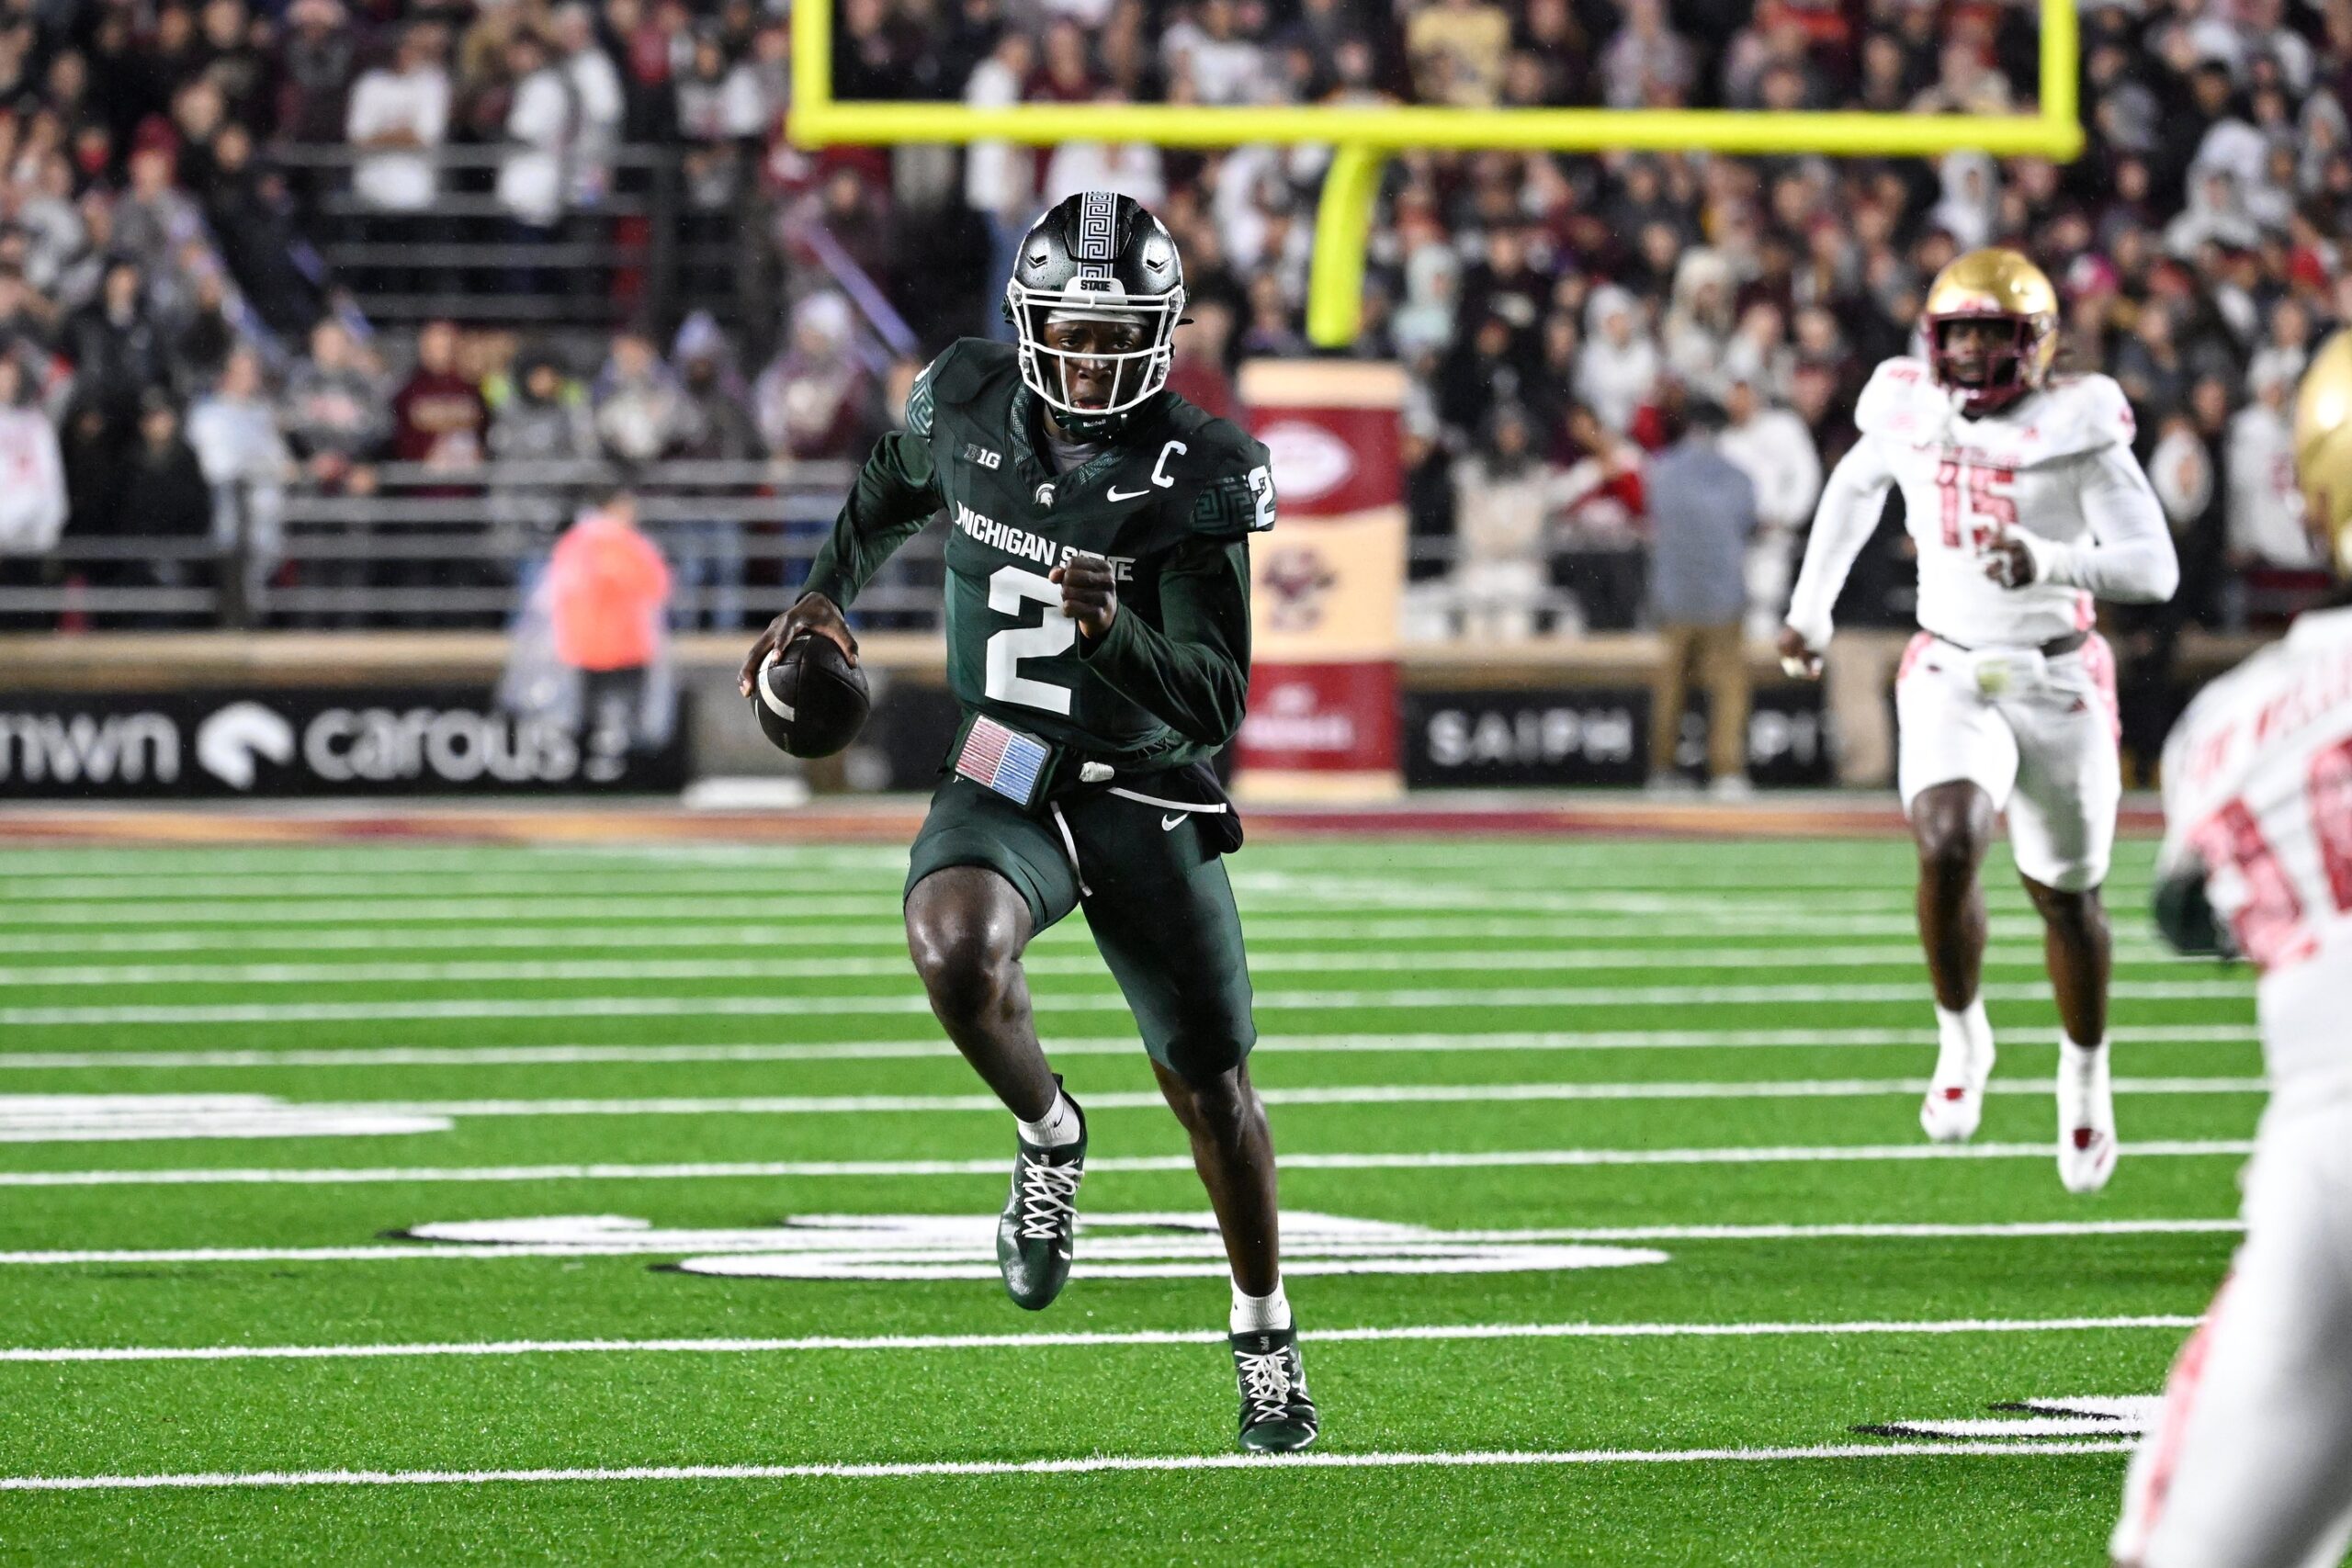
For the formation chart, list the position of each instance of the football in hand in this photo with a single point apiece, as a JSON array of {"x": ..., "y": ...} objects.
[{"x": 810, "y": 699}]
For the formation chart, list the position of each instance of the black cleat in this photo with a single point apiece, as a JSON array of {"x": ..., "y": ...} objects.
[
  {"x": 1032, "y": 1235},
  {"x": 1278, "y": 1416}
]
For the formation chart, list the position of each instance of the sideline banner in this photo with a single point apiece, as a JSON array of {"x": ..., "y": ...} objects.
[
  {"x": 1328, "y": 585},
  {"x": 237, "y": 744}
]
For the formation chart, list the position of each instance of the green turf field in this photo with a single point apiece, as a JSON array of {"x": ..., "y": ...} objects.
[{"x": 1608, "y": 1220}]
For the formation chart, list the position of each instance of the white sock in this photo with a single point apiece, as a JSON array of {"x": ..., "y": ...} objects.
[
  {"x": 1968, "y": 1030},
  {"x": 2083, "y": 1063},
  {"x": 1056, "y": 1129},
  {"x": 1253, "y": 1315}
]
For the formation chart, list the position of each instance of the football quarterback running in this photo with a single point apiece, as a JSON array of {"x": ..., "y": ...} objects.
[
  {"x": 2022, "y": 495},
  {"x": 2249, "y": 1464},
  {"x": 1098, "y": 643}
]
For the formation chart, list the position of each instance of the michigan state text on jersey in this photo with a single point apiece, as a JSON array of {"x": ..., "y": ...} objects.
[{"x": 1098, "y": 644}]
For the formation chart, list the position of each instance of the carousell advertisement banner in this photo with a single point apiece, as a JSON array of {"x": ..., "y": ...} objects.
[
  {"x": 1326, "y": 584},
  {"x": 231, "y": 744}
]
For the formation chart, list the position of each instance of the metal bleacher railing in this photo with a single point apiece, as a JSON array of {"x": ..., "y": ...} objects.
[
  {"x": 437, "y": 547},
  {"x": 631, "y": 237}
]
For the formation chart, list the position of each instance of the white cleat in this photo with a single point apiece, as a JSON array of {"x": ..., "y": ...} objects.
[
  {"x": 2086, "y": 1147},
  {"x": 1955, "y": 1101}
]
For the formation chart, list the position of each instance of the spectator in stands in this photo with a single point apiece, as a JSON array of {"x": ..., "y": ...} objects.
[
  {"x": 1457, "y": 49},
  {"x": 1698, "y": 327},
  {"x": 32, "y": 503},
  {"x": 1646, "y": 63},
  {"x": 252, "y": 217},
  {"x": 1702, "y": 514},
  {"x": 608, "y": 596},
  {"x": 1773, "y": 448},
  {"x": 1502, "y": 495},
  {"x": 333, "y": 414},
  {"x": 594, "y": 85},
  {"x": 314, "y": 70},
  {"x": 1198, "y": 373},
  {"x": 2273, "y": 563},
  {"x": 1000, "y": 178},
  {"x": 2265, "y": 512},
  {"x": 159, "y": 492},
  {"x": 1620, "y": 365},
  {"x": 815, "y": 400},
  {"x": 720, "y": 107},
  {"x": 1131, "y": 168},
  {"x": 537, "y": 131},
  {"x": 400, "y": 116},
  {"x": 708, "y": 551},
  {"x": 641, "y": 413},
  {"x": 246, "y": 461},
  {"x": 438, "y": 416},
  {"x": 116, "y": 350},
  {"x": 1209, "y": 51},
  {"x": 1599, "y": 506}
]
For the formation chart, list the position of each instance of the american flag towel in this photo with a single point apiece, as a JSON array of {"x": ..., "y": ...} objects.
[{"x": 1002, "y": 760}]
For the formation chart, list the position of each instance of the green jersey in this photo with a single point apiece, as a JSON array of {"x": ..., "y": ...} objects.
[{"x": 1171, "y": 503}]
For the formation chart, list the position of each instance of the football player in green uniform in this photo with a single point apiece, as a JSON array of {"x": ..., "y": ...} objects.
[{"x": 1098, "y": 642}]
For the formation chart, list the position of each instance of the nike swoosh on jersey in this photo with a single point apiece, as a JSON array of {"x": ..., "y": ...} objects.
[
  {"x": 1114, "y": 493},
  {"x": 1167, "y": 824}
]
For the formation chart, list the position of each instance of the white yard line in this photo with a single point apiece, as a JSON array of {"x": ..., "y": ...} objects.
[
  {"x": 500, "y": 1348},
  {"x": 1265, "y": 929},
  {"x": 882, "y": 910},
  {"x": 14, "y": 1108},
  {"x": 1472, "y": 995},
  {"x": 1083, "y": 1046},
  {"x": 766, "y": 1169},
  {"x": 1309, "y": 895},
  {"x": 1312, "y": 961},
  {"x": 1093, "y": 1465}
]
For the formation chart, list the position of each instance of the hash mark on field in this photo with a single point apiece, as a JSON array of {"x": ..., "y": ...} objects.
[
  {"x": 1440, "y": 1332},
  {"x": 1092, "y": 1465}
]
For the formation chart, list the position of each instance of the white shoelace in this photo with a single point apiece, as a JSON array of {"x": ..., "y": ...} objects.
[
  {"x": 1048, "y": 1197},
  {"x": 1265, "y": 1383}
]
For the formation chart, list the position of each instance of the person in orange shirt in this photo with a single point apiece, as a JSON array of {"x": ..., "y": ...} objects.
[{"x": 608, "y": 596}]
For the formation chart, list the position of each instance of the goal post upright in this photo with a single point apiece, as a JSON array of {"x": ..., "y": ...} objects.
[{"x": 1363, "y": 136}]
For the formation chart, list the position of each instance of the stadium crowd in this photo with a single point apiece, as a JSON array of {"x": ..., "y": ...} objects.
[{"x": 172, "y": 337}]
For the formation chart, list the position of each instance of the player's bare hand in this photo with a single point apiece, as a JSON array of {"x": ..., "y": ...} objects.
[
  {"x": 1090, "y": 593},
  {"x": 813, "y": 613},
  {"x": 1798, "y": 658},
  {"x": 2009, "y": 562}
]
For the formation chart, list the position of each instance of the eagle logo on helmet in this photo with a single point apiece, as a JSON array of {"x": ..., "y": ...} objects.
[{"x": 2004, "y": 289}]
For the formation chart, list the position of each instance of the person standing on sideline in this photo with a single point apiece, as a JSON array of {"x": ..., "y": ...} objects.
[
  {"x": 1702, "y": 513},
  {"x": 608, "y": 595}
]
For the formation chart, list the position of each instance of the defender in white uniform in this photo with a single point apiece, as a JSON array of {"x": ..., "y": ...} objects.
[
  {"x": 2025, "y": 503},
  {"x": 2250, "y": 1463}
]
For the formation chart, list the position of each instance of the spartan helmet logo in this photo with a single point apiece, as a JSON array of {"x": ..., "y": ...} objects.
[{"x": 1044, "y": 495}]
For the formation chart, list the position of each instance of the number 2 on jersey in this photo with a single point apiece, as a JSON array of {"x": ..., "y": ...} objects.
[
  {"x": 1988, "y": 502},
  {"x": 1010, "y": 591}
]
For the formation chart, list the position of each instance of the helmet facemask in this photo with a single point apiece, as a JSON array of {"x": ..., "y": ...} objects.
[
  {"x": 2008, "y": 366},
  {"x": 1112, "y": 378}
]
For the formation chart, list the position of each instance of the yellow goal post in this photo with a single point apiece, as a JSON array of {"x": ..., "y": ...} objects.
[{"x": 1362, "y": 137}]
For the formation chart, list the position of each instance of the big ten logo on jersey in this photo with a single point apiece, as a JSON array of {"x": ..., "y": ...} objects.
[
  {"x": 1976, "y": 502},
  {"x": 976, "y": 453}
]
